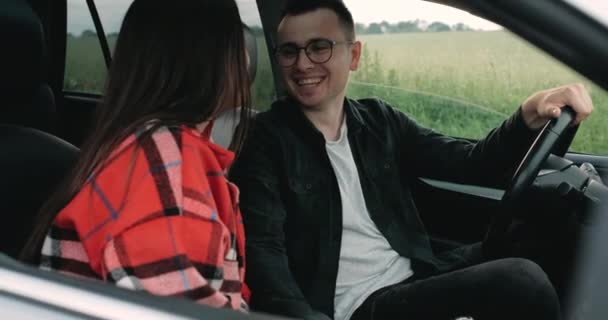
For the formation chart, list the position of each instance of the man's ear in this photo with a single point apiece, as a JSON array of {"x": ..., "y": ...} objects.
[{"x": 355, "y": 51}]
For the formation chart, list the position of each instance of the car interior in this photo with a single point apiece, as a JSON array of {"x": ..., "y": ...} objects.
[
  {"x": 42, "y": 126},
  {"x": 36, "y": 160}
]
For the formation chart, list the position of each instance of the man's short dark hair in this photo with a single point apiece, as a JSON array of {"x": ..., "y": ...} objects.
[{"x": 297, "y": 7}]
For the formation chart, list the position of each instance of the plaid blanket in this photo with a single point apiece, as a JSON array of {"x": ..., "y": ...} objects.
[{"x": 160, "y": 217}]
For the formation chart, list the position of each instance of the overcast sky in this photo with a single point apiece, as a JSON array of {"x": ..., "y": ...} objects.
[{"x": 365, "y": 11}]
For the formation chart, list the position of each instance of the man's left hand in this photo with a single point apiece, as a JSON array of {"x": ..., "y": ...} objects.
[{"x": 546, "y": 105}]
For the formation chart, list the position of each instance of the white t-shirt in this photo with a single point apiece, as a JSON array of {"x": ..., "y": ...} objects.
[{"x": 367, "y": 261}]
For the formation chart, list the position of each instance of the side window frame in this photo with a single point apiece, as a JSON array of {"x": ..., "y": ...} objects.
[{"x": 103, "y": 41}]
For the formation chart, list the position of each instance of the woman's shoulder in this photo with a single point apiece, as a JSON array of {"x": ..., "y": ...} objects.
[
  {"x": 156, "y": 135},
  {"x": 148, "y": 144},
  {"x": 169, "y": 145}
]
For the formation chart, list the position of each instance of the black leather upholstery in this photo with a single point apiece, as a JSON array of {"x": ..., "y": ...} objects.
[
  {"x": 25, "y": 98},
  {"x": 33, "y": 163}
]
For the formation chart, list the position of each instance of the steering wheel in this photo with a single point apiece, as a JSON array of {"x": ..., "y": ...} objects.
[{"x": 552, "y": 134}]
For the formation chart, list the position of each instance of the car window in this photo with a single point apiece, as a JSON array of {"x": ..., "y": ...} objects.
[
  {"x": 85, "y": 67},
  {"x": 456, "y": 73},
  {"x": 263, "y": 90}
]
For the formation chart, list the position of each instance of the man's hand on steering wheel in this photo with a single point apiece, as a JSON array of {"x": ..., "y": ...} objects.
[
  {"x": 546, "y": 105},
  {"x": 537, "y": 111}
]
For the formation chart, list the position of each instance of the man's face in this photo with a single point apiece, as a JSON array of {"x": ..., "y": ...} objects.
[{"x": 317, "y": 85}]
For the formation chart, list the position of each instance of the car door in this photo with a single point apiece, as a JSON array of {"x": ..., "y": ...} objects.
[{"x": 579, "y": 42}]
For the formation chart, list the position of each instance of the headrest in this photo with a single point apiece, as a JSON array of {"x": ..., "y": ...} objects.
[
  {"x": 252, "y": 49},
  {"x": 22, "y": 54}
]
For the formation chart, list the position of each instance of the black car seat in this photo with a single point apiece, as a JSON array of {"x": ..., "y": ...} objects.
[
  {"x": 32, "y": 161},
  {"x": 25, "y": 98}
]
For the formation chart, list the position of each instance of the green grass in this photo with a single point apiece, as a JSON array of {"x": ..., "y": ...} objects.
[
  {"x": 459, "y": 83},
  {"x": 465, "y": 83},
  {"x": 85, "y": 69},
  {"x": 263, "y": 92}
]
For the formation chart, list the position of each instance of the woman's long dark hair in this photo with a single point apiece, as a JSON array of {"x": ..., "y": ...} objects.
[{"x": 181, "y": 62}]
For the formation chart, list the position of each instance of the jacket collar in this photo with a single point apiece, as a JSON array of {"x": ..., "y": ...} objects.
[
  {"x": 291, "y": 111},
  {"x": 354, "y": 120}
]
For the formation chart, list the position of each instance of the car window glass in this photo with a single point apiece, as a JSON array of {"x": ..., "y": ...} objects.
[
  {"x": 456, "y": 73},
  {"x": 85, "y": 68},
  {"x": 262, "y": 91}
]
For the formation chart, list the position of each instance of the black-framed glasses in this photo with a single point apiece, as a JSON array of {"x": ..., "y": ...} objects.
[{"x": 317, "y": 50}]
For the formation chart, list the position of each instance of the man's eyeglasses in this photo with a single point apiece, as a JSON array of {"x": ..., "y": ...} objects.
[{"x": 318, "y": 51}]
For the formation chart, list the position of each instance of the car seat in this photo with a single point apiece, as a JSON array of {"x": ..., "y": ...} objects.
[{"x": 33, "y": 162}]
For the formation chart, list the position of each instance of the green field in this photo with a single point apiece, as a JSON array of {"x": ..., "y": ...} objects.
[
  {"x": 458, "y": 83},
  {"x": 465, "y": 83}
]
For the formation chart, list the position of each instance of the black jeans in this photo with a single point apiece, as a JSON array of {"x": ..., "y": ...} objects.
[
  {"x": 499, "y": 282},
  {"x": 511, "y": 288}
]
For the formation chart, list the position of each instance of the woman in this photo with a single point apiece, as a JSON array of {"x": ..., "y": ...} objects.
[{"x": 148, "y": 206}]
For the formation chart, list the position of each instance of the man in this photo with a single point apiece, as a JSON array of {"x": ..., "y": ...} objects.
[{"x": 332, "y": 230}]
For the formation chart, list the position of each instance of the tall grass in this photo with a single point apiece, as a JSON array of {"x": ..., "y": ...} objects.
[
  {"x": 86, "y": 70},
  {"x": 465, "y": 83}
]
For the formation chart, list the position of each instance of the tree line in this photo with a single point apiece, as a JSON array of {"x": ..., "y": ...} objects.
[
  {"x": 360, "y": 28},
  {"x": 398, "y": 27},
  {"x": 409, "y": 26}
]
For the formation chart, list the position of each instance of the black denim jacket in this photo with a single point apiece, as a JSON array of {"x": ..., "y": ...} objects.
[{"x": 291, "y": 203}]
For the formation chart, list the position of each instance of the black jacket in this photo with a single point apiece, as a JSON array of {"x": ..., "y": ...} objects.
[{"x": 291, "y": 202}]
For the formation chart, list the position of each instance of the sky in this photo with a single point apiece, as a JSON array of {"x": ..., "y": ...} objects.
[
  {"x": 111, "y": 13},
  {"x": 595, "y": 8},
  {"x": 367, "y": 11}
]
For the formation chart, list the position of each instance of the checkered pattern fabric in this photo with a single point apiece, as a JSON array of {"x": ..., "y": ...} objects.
[{"x": 160, "y": 217}]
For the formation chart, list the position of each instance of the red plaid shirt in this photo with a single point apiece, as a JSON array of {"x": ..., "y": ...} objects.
[{"x": 160, "y": 217}]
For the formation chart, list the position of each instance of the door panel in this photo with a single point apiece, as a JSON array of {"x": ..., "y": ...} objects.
[
  {"x": 462, "y": 213},
  {"x": 77, "y": 118},
  {"x": 455, "y": 212}
]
